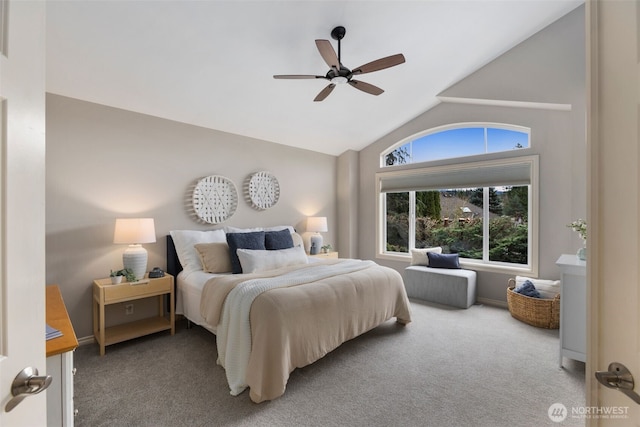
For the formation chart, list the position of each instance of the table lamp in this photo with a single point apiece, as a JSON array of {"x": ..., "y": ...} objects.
[
  {"x": 135, "y": 231},
  {"x": 316, "y": 224}
]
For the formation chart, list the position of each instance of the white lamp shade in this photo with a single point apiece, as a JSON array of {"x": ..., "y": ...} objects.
[
  {"x": 134, "y": 230},
  {"x": 317, "y": 223}
]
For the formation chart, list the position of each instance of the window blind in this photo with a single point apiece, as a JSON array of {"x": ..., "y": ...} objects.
[{"x": 472, "y": 175}]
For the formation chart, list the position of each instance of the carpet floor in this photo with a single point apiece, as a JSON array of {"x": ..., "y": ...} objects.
[{"x": 449, "y": 367}]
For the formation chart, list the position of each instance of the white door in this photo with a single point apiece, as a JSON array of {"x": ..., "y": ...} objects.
[
  {"x": 22, "y": 208},
  {"x": 613, "y": 88}
]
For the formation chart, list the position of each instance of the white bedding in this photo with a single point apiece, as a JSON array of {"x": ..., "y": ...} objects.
[
  {"x": 188, "y": 295},
  {"x": 191, "y": 280}
]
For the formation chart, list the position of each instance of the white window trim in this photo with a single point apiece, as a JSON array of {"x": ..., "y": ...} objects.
[{"x": 481, "y": 265}]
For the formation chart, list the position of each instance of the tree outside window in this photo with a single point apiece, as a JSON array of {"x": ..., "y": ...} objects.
[{"x": 454, "y": 220}]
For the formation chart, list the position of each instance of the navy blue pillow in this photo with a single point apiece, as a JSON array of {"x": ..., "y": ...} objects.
[
  {"x": 527, "y": 288},
  {"x": 253, "y": 240},
  {"x": 274, "y": 240},
  {"x": 443, "y": 260}
]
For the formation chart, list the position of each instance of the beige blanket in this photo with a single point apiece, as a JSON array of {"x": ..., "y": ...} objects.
[{"x": 294, "y": 326}]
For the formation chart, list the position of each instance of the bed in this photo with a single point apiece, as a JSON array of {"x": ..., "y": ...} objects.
[{"x": 284, "y": 310}]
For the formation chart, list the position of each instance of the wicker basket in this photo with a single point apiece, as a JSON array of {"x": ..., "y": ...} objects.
[{"x": 540, "y": 312}]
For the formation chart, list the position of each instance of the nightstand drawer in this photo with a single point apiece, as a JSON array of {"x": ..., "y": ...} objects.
[{"x": 126, "y": 292}]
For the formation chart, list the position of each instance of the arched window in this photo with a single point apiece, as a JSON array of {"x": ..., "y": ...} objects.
[
  {"x": 483, "y": 210},
  {"x": 458, "y": 140}
]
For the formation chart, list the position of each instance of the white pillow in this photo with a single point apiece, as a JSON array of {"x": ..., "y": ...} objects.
[
  {"x": 297, "y": 239},
  {"x": 230, "y": 229},
  {"x": 280, "y": 227},
  {"x": 547, "y": 288},
  {"x": 258, "y": 260},
  {"x": 185, "y": 241},
  {"x": 419, "y": 256}
]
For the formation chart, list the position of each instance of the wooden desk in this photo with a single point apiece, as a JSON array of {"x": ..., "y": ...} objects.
[
  {"x": 60, "y": 408},
  {"x": 57, "y": 317}
]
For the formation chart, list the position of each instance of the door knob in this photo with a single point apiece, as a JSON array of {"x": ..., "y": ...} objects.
[
  {"x": 618, "y": 377},
  {"x": 27, "y": 383}
]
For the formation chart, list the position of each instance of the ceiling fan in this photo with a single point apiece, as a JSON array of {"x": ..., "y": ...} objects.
[{"x": 339, "y": 74}]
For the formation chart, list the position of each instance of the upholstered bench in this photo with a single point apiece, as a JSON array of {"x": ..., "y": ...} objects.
[{"x": 455, "y": 287}]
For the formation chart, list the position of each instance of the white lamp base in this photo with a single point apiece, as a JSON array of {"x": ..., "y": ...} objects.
[
  {"x": 315, "y": 243},
  {"x": 135, "y": 258}
]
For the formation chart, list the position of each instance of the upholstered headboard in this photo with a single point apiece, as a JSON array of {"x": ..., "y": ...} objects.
[{"x": 173, "y": 263}]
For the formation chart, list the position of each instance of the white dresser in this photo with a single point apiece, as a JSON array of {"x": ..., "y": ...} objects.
[
  {"x": 573, "y": 308},
  {"x": 60, "y": 407}
]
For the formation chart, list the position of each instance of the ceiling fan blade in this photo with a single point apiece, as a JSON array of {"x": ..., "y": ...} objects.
[
  {"x": 366, "y": 87},
  {"x": 380, "y": 64},
  {"x": 324, "y": 92},
  {"x": 328, "y": 53},
  {"x": 297, "y": 76}
]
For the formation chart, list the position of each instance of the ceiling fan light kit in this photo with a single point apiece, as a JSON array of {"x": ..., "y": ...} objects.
[{"x": 338, "y": 73}]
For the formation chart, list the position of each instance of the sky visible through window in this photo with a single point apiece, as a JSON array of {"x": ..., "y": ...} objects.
[{"x": 467, "y": 141}]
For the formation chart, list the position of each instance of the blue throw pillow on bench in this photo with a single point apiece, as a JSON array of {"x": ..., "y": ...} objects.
[
  {"x": 527, "y": 288},
  {"x": 443, "y": 260}
]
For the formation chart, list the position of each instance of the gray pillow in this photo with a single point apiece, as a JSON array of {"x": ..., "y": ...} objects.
[
  {"x": 253, "y": 240},
  {"x": 275, "y": 240},
  {"x": 443, "y": 260}
]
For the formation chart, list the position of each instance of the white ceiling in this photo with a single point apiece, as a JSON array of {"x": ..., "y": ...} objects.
[{"x": 211, "y": 63}]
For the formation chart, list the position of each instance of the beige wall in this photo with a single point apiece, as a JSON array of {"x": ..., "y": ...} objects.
[
  {"x": 347, "y": 199},
  {"x": 103, "y": 163},
  {"x": 547, "y": 68}
]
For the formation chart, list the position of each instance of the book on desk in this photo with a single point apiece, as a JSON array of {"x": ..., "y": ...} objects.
[{"x": 52, "y": 333}]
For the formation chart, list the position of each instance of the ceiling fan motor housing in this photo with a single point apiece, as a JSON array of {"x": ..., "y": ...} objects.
[{"x": 343, "y": 75}]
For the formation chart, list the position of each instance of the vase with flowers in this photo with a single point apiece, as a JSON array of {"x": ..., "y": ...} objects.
[{"x": 580, "y": 227}]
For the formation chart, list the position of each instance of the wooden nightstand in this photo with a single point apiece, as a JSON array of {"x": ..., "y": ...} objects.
[
  {"x": 105, "y": 293},
  {"x": 326, "y": 255}
]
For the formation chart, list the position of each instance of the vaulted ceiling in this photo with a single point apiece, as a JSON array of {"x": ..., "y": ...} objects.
[{"x": 211, "y": 63}]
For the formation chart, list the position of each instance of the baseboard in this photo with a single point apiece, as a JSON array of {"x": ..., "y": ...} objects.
[
  {"x": 493, "y": 302},
  {"x": 86, "y": 340}
]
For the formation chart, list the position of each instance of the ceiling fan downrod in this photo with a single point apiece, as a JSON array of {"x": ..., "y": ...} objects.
[{"x": 338, "y": 34}]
